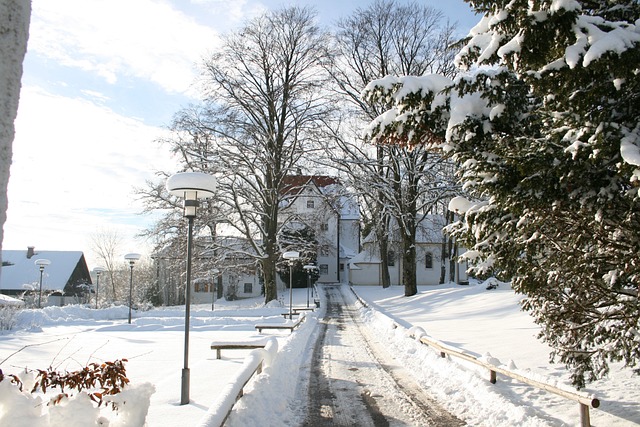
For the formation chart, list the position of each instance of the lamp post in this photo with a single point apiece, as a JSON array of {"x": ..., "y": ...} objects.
[
  {"x": 41, "y": 263},
  {"x": 191, "y": 186},
  {"x": 132, "y": 258},
  {"x": 291, "y": 256},
  {"x": 98, "y": 271},
  {"x": 309, "y": 268}
]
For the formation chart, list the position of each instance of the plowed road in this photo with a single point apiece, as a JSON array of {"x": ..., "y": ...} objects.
[{"x": 355, "y": 382}]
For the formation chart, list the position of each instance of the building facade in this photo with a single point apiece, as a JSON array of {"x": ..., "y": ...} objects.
[
  {"x": 322, "y": 204},
  {"x": 436, "y": 258}
]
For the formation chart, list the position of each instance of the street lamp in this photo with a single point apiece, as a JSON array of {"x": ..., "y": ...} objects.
[
  {"x": 98, "y": 271},
  {"x": 191, "y": 186},
  {"x": 291, "y": 256},
  {"x": 309, "y": 268},
  {"x": 132, "y": 258},
  {"x": 41, "y": 263}
]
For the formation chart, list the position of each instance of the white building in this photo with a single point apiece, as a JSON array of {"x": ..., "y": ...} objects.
[
  {"x": 321, "y": 203},
  {"x": 365, "y": 268},
  {"x": 225, "y": 274}
]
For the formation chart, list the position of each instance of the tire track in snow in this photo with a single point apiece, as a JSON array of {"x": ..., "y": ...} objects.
[{"x": 353, "y": 383}]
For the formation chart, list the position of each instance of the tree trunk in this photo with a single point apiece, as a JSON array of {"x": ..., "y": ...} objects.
[
  {"x": 408, "y": 230},
  {"x": 269, "y": 272},
  {"x": 383, "y": 240},
  {"x": 409, "y": 266},
  {"x": 382, "y": 229},
  {"x": 14, "y": 31},
  {"x": 270, "y": 238}
]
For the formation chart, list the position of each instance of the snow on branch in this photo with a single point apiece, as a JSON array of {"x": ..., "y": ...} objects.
[{"x": 418, "y": 108}]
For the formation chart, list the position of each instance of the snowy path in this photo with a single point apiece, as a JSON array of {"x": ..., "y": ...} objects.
[{"x": 355, "y": 382}]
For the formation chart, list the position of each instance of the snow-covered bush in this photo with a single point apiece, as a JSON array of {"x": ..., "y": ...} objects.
[
  {"x": 98, "y": 394},
  {"x": 8, "y": 317}
]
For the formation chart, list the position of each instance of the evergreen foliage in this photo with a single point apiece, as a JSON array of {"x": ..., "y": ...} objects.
[
  {"x": 305, "y": 242},
  {"x": 545, "y": 129}
]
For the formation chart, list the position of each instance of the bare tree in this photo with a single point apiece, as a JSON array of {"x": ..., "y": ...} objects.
[
  {"x": 168, "y": 233},
  {"x": 267, "y": 87},
  {"x": 390, "y": 39},
  {"x": 106, "y": 244},
  {"x": 262, "y": 112}
]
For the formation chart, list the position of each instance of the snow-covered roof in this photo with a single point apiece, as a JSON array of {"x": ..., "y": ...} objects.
[
  {"x": 20, "y": 272},
  {"x": 6, "y": 300},
  {"x": 346, "y": 252},
  {"x": 364, "y": 257},
  {"x": 429, "y": 230}
]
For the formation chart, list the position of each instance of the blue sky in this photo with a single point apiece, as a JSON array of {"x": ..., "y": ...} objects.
[{"x": 101, "y": 80}]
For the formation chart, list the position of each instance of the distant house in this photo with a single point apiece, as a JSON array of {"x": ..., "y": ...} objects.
[
  {"x": 315, "y": 201},
  {"x": 237, "y": 272},
  {"x": 365, "y": 268},
  {"x": 67, "y": 277},
  {"x": 322, "y": 203},
  {"x": 226, "y": 271}
]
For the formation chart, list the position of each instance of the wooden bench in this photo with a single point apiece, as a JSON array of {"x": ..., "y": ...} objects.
[
  {"x": 238, "y": 345},
  {"x": 285, "y": 315},
  {"x": 297, "y": 310},
  {"x": 277, "y": 326}
]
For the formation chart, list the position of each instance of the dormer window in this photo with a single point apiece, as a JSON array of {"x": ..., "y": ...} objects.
[{"x": 311, "y": 204}]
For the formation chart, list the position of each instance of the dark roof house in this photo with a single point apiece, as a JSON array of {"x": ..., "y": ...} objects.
[{"x": 67, "y": 273}]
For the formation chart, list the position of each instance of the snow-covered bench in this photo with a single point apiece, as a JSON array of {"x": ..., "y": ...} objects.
[
  {"x": 245, "y": 344},
  {"x": 297, "y": 310},
  {"x": 289, "y": 326},
  {"x": 285, "y": 315}
]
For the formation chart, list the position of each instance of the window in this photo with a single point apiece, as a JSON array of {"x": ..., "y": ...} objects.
[
  {"x": 201, "y": 287},
  {"x": 324, "y": 227},
  {"x": 324, "y": 268},
  {"x": 248, "y": 288},
  {"x": 428, "y": 260},
  {"x": 342, "y": 266},
  {"x": 311, "y": 204},
  {"x": 324, "y": 250},
  {"x": 391, "y": 258}
]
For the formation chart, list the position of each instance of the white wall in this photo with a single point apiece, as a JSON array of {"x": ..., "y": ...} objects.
[{"x": 369, "y": 273}]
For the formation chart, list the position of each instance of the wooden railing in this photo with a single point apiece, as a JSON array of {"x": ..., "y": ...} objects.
[
  {"x": 234, "y": 390},
  {"x": 585, "y": 400}
]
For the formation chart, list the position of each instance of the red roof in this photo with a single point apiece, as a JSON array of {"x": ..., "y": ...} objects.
[{"x": 293, "y": 184}]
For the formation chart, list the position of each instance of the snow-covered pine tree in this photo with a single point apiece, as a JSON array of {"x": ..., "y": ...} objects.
[{"x": 545, "y": 128}]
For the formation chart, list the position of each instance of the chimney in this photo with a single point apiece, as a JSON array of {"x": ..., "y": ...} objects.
[{"x": 30, "y": 251}]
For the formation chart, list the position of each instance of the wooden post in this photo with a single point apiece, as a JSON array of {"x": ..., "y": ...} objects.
[{"x": 585, "y": 421}]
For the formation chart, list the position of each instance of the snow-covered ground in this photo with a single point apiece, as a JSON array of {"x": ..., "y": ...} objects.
[{"x": 472, "y": 318}]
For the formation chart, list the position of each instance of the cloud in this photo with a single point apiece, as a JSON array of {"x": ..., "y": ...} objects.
[
  {"x": 145, "y": 39},
  {"x": 75, "y": 165}
]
